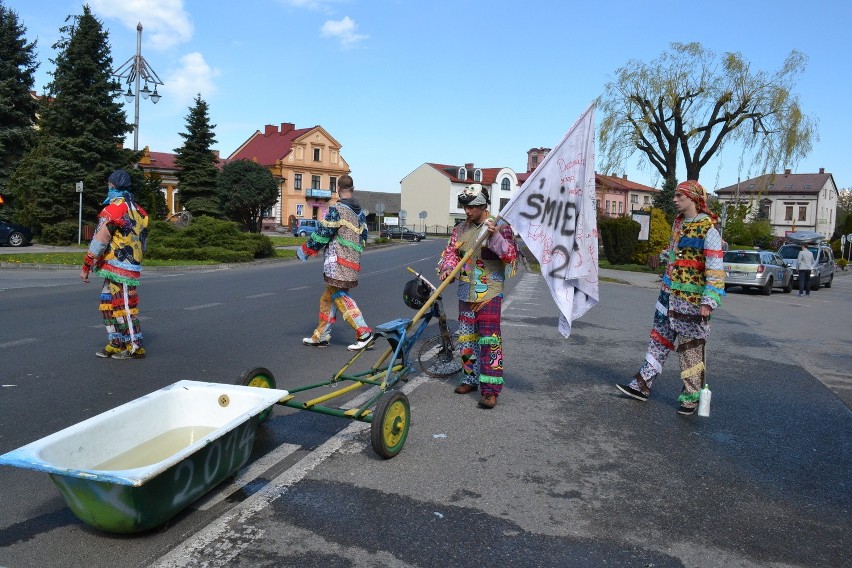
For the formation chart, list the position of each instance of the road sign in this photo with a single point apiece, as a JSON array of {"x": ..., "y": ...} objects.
[
  {"x": 79, "y": 186},
  {"x": 422, "y": 214},
  {"x": 380, "y": 208},
  {"x": 403, "y": 214}
]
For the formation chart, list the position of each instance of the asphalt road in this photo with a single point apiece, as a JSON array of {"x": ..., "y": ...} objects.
[{"x": 564, "y": 472}]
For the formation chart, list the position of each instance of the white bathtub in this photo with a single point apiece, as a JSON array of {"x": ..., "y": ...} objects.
[{"x": 133, "y": 467}]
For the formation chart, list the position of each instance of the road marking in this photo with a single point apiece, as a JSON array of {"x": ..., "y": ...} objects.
[
  {"x": 220, "y": 543},
  {"x": 19, "y": 342},
  {"x": 203, "y": 306},
  {"x": 263, "y": 295}
]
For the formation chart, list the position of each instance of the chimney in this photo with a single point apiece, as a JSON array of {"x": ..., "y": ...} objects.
[
  {"x": 786, "y": 171},
  {"x": 822, "y": 170},
  {"x": 469, "y": 166},
  {"x": 287, "y": 127},
  {"x": 623, "y": 176},
  {"x": 216, "y": 153},
  {"x": 270, "y": 129}
]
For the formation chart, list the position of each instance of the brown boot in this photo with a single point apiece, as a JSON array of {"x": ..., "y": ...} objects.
[
  {"x": 488, "y": 401},
  {"x": 465, "y": 388}
]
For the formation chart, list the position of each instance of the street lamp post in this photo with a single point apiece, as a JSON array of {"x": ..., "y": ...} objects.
[{"x": 133, "y": 71}]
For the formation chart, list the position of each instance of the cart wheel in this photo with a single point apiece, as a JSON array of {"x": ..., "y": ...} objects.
[
  {"x": 437, "y": 359},
  {"x": 259, "y": 377},
  {"x": 389, "y": 428}
]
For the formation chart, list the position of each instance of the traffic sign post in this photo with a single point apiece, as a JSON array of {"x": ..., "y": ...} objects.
[{"x": 79, "y": 187}]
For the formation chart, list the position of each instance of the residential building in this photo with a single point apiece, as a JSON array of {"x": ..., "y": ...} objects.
[
  {"x": 430, "y": 193},
  {"x": 617, "y": 196},
  {"x": 791, "y": 202},
  {"x": 306, "y": 163},
  {"x": 163, "y": 165}
]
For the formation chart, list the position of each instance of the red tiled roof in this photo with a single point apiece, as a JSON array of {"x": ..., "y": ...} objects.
[
  {"x": 615, "y": 182},
  {"x": 269, "y": 146},
  {"x": 489, "y": 175},
  {"x": 779, "y": 183},
  {"x": 163, "y": 160}
]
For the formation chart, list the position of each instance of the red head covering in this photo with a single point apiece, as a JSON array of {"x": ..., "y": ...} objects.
[{"x": 693, "y": 190}]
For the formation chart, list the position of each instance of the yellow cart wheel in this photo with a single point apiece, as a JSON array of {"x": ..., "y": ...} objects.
[
  {"x": 389, "y": 428},
  {"x": 259, "y": 377}
]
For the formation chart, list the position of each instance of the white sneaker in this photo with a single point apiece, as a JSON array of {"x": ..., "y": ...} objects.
[
  {"x": 361, "y": 343},
  {"x": 313, "y": 343}
]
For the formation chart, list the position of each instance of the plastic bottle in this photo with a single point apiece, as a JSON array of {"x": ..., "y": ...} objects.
[{"x": 704, "y": 401}]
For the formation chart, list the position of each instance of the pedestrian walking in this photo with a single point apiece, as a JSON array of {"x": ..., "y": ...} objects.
[
  {"x": 115, "y": 254},
  {"x": 804, "y": 265},
  {"x": 480, "y": 293},
  {"x": 692, "y": 288},
  {"x": 342, "y": 235}
]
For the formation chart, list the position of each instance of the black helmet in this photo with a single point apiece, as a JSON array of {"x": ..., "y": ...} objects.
[{"x": 415, "y": 294}]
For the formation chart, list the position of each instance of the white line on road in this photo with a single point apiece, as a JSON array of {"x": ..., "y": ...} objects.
[
  {"x": 18, "y": 342},
  {"x": 203, "y": 306},
  {"x": 263, "y": 295}
]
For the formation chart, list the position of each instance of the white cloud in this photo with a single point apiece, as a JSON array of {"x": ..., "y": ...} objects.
[
  {"x": 165, "y": 23},
  {"x": 192, "y": 77},
  {"x": 319, "y": 5},
  {"x": 344, "y": 31}
]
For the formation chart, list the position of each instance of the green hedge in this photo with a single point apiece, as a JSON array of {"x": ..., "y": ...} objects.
[
  {"x": 206, "y": 238},
  {"x": 619, "y": 236}
]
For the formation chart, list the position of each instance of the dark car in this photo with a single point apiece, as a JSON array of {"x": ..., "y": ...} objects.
[
  {"x": 14, "y": 235},
  {"x": 402, "y": 233}
]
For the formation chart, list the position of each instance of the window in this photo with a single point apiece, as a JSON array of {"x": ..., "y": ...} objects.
[
  {"x": 788, "y": 213},
  {"x": 317, "y": 154},
  {"x": 297, "y": 182},
  {"x": 646, "y": 199},
  {"x": 462, "y": 173},
  {"x": 613, "y": 206},
  {"x": 315, "y": 182},
  {"x": 803, "y": 209},
  {"x": 534, "y": 160},
  {"x": 332, "y": 184},
  {"x": 620, "y": 207},
  {"x": 300, "y": 209},
  {"x": 504, "y": 185},
  {"x": 607, "y": 206},
  {"x": 634, "y": 198},
  {"x": 477, "y": 175}
]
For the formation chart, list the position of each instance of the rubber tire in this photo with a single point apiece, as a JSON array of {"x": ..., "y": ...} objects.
[
  {"x": 389, "y": 428},
  {"x": 259, "y": 377},
  {"x": 789, "y": 287},
  {"x": 830, "y": 279},
  {"x": 815, "y": 283},
  {"x": 16, "y": 239},
  {"x": 766, "y": 290},
  {"x": 436, "y": 363},
  {"x": 303, "y": 234}
]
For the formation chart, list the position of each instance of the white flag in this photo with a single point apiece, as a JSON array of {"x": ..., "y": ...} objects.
[{"x": 554, "y": 212}]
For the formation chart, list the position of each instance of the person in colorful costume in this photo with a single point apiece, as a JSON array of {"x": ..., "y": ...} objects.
[
  {"x": 342, "y": 234},
  {"x": 115, "y": 254},
  {"x": 480, "y": 293},
  {"x": 692, "y": 288}
]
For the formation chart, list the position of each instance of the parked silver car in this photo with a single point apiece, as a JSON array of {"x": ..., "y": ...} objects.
[
  {"x": 762, "y": 270},
  {"x": 822, "y": 274}
]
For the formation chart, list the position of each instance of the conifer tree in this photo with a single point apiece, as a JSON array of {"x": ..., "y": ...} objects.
[
  {"x": 81, "y": 130},
  {"x": 197, "y": 162},
  {"x": 18, "y": 108}
]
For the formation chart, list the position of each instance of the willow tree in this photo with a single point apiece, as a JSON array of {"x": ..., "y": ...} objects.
[{"x": 690, "y": 104}]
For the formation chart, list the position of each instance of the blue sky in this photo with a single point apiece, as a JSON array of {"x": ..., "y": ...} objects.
[{"x": 403, "y": 82}]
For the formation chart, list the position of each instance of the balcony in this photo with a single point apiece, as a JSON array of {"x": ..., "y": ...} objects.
[{"x": 316, "y": 193}]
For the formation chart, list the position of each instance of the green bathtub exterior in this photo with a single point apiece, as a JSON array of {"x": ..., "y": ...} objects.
[{"x": 119, "y": 508}]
